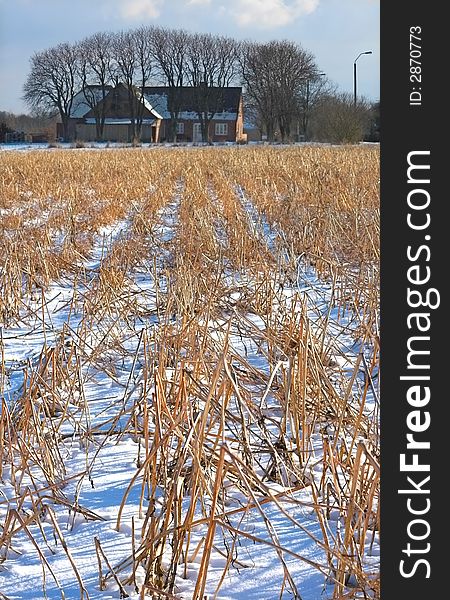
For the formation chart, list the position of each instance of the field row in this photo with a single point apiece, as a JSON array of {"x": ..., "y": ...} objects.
[{"x": 214, "y": 314}]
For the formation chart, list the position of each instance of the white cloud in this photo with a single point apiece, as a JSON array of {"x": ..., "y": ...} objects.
[
  {"x": 199, "y": 2},
  {"x": 263, "y": 14},
  {"x": 141, "y": 9},
  {"x": 269, "y": 14}
]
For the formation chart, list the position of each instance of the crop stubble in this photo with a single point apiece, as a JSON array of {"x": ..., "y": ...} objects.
[{"x": 218, "y": 312}]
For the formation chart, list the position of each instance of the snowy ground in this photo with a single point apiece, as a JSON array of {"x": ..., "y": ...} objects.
[{"x": 99, "y": 467}]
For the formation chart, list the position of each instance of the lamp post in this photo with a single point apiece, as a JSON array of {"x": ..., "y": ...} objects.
[{"x": 354, "y": 74}]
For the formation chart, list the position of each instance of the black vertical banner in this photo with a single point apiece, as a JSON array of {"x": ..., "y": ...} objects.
[{"x": 414, "y": 245}]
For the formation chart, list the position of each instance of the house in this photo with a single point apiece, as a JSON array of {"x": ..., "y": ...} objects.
[
  {"x": 112, "y": 118},
  {"x": 226, "y": 125},
  {"x": 152, "y": 115}
]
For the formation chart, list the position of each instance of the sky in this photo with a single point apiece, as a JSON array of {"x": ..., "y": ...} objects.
[{"x": 334, "y": 31}]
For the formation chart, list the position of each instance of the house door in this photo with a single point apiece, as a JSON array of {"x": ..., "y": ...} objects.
[{"x": 197, "y": 132}]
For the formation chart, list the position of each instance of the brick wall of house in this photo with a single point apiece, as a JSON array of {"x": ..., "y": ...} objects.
[{"x": 188, "y": 131}]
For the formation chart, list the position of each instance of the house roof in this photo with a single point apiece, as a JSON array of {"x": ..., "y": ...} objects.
[
  {"x": 149, "y": 106},
  {"x": 160, "y": 99},
  {"x": 82, "y": 104}
]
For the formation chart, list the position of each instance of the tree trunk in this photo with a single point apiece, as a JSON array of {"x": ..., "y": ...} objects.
[
  {"x": 65, "y": 127},
  {"x": 204, "y": 128},
  {"x": 172, "y": 129},
  {"x": 98, "y": 134},
  {"x": 270, "y": 130}
]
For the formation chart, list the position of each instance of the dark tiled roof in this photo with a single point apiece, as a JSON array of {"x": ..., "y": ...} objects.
[{"x": 229, "y": 97}]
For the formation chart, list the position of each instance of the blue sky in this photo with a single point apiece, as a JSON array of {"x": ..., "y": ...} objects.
[{"x": 335, "y": 31}]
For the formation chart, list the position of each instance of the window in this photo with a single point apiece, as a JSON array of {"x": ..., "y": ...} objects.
[
  {"x": 180, "y": 128},
  {"x": 221, "y": 128}
]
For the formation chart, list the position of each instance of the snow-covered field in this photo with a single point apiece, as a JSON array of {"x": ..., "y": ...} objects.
[{"x": 190, "y": 392}]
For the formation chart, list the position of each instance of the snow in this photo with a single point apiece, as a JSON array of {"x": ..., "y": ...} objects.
[
  {"x": 159, "y": 103},
  {"x": 100, "y": 467},
  {"x": 91, "y": 121},
  {"x": 150, "y": 108}
]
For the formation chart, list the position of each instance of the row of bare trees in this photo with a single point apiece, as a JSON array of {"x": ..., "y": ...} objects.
[
  {"x": 39, "y": 124},
  {"x": 277, "y": 76}
]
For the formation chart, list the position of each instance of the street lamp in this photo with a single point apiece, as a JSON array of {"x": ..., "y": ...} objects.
[{"x": 354, "y": 74}]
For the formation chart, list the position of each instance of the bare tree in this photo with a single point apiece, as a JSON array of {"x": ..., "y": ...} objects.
[
  {"x": 133, "y": 59},
  {"x": 273, "y": 74},
  {"x": 311, "y": 94},
  {"x": 125, "y": 70},
  {"x": 39, "y": 121},
  {"x": 210, "y": 67},
  {"x": 95, "y": 68},
  {"x": 53, "y": 81},
  {"x": 142, "y": 38},
  {"x": 169, "y": 48},
  {"x": 259, "y": 88}
]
